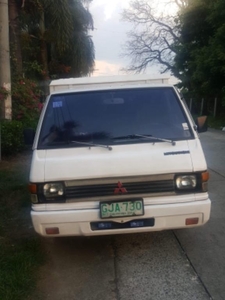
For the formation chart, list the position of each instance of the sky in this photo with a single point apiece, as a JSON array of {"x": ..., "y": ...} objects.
[{"x": 110, "y": 34}]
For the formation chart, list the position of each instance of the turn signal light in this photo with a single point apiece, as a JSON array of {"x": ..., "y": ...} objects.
[
  {"x": 205, "y": 176},
  {"x": 33, "y": 188}
]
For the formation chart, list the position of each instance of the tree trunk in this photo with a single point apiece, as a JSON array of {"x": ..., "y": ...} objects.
[
  {"x": 43, "y": 46},
  {"x": 44, "y": 54},
  {"x": 15, "y": 41},
  {"x": 5, "y": 75}
]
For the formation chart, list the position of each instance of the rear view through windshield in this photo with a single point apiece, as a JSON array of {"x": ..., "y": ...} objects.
[{"x": 113, "y": 117}]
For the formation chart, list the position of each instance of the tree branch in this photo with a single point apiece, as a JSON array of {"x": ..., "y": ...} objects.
[{"x": 151, "y": 41}]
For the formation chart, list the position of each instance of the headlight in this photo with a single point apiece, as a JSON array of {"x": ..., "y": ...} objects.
[
  {"x": 53, "y": 190},
  {"x": 186, "y": 182}
]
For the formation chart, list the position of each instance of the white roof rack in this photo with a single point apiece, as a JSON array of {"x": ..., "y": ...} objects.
[{"x": 105, "y": 81}]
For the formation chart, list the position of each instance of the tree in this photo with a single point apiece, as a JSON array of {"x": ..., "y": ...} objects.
[
  {"x": 190, "y": 44},
  {"x": 182, "y": 3},
  {"x": 200, "y": 58},
  {"x": 194, "y": 36},
  {"x": 153, "y": 36},
  {"x": 75, "y": 51},
  {"x": 69, "y": 50},
  {"x": 53, "y": 34},
  {"x": 15, "y": 37},
  {"x": 48, "y": 39}
]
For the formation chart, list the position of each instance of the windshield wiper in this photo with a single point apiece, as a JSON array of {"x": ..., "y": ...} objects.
[
  {"x": 155, "y": 138},
  {"x": 92, "y": 144},
  {"x": 150, "y": 137}
]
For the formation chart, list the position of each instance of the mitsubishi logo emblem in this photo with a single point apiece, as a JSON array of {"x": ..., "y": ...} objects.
[{"x": 120, "y": 189}]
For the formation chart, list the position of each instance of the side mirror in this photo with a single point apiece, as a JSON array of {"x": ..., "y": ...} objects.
[
  {"x": 28, "y": 135},
  {"x": 201, "y": 123}
]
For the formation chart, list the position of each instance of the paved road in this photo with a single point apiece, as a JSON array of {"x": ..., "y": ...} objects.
[
  {"x": 171, "y": 265},
  {"x": 205, "y": 246}
]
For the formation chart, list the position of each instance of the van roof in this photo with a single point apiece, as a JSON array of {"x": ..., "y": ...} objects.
[
  {"x": 102, "y": 82},
  {"x": 109, "y": 87},
  {"x": 108, "y": 79}
]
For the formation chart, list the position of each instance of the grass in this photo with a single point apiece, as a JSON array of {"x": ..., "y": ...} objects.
[
  {"x": 20, "y": 248},
  {"x": 216, "y": 123}
]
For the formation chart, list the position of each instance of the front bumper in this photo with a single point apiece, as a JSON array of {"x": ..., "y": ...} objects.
[{"x": 78, "y": 221}]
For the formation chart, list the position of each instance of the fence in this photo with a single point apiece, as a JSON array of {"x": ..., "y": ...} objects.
[{"x": 203, "y": 106}]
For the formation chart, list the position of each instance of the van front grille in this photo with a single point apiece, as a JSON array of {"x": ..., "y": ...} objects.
[{"x": 126, "y": 189}]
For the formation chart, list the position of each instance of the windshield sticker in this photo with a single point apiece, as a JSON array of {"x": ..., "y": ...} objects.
[
  {"x": 185, "y": 126},
  {"x": 57, "y": 104}
]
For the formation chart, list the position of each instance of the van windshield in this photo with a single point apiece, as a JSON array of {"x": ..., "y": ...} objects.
[{"x": 112, "y": 117}]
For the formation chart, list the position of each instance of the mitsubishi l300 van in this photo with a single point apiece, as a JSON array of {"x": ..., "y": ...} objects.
[{"x": 117, "y": 158}]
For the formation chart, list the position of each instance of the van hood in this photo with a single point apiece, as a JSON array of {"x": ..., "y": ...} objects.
[{"x": 121, "y": 161}]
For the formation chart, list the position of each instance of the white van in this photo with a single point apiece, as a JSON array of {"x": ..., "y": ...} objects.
[{"x": 114, "y": 156}]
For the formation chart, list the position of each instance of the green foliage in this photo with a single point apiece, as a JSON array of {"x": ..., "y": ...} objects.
[
  {"x": 55, "y": 40},
  {"x": 11, "y": 137},
  {"x": 200, "y": 57},
  {"x": 18, "y": 263},
  {"x": 20, "y": 250},
  {"x": 26, "y": 108},
  {"x": 3, "y": 93},
  {"x": 26, "y": 102}
]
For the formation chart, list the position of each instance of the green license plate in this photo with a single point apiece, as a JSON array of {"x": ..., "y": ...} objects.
[{"x": 121, "y": 209}]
